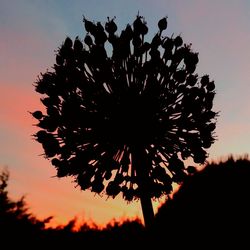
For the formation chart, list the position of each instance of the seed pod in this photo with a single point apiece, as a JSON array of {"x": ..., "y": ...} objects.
[
  {"x": 137, "y": 25},
  {"x": 37, "y": 114},
  {"x": 108, "y": 175},
  {"x": 113, "y": 189},
  {"x": 51, "y": 145},
  {"x": 200, "y": 156},
  {"x": 55, "y": 162},
  {"x": 52, "y": 111},
  {"x": 41, "y": 136},
  {"x": 88, "y": 40},
  {"x": 206, "y": 143},
  {"x": 68, "y": 42},
  {"x": 97, "y": 186},
  {"x": 178, "y": 41},
  {"x": 191, "y": 58},
  {"x": 144, "y": 28},
  {"x": 204, "y": 80},
  {"x": 190, "y": 68},
  {"x": 48, "y": 123},
  {"x": 59, "y": 60},
  {"x": 89, "y": 26},
  {"x": 191, "y": 80},
  {"x": 78, "y": 46},
  {"x": 129, "y": 32},
  {"x": 162, "y": 24},
  {"x": 191, "y": 169},
  {"x": 100, "y": 35},
  {"x": 84, "y": 181},
  {"x": 211, "y": 126},
  {"x": 62, "y": 171},
  {"x": 119, "y": 178},
  {"x": 111, "y": 26},
  {"x": 168, "y": 43},
  {"x": 128, "y": 194},
  {"x": 211, "y": 86}
]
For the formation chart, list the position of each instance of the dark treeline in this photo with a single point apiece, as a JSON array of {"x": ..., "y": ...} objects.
[
  {"x": 20, "y": 228},
  {"x": 211, "y": 208}
]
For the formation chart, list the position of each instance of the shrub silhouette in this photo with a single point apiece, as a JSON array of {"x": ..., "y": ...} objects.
[
  {"x": 19, "y": 228},
  {"x": 125, "y": 122},
  {"x": 211, "y": 206},
  {"x": 210, "y": 209},
  {"x": 17, "y": 225}
]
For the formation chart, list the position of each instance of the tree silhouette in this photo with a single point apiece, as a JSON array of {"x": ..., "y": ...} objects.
[
  {"x": 211, "y": 206},
  {"x": 122, "y": 114},
  {"x": 18, "y": 226}
]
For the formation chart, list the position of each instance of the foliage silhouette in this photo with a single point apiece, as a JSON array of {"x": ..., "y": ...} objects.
[
  {"x": 211, "y": 207},
  {"x": 16, "y": 223},
  {"x": 20, "y": 228},
  {"x": 125, "y": 123}
]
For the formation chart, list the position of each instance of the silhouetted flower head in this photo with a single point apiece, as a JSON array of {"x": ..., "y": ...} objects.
[{"x": 103, "y": 102}]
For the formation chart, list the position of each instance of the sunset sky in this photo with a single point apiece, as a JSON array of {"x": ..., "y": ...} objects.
[{"x": 31, "y": 31}]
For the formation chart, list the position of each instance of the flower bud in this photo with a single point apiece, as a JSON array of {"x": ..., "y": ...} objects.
[
  {"x": 68, "y": 42},
  {"x": 162, "y": 24}
]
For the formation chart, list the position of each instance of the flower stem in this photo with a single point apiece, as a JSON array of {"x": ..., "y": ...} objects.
[
  {"x": 147, "y": 210},
  {"x": 141, "y": 164}
]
